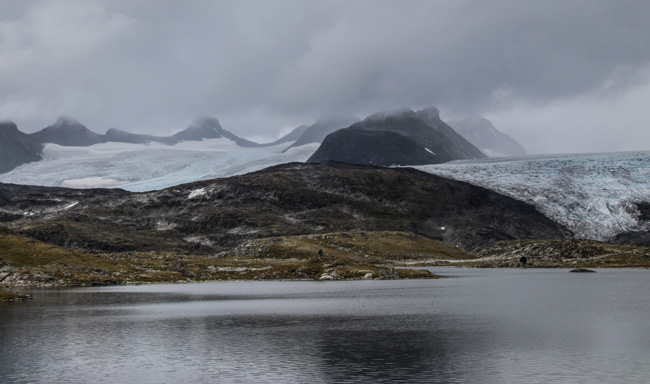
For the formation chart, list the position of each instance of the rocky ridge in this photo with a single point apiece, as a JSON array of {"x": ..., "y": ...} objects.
[{"x": 290, "y": 199}]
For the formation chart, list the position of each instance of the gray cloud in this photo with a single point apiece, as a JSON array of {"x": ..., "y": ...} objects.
[{"x": 262, "y": 67}]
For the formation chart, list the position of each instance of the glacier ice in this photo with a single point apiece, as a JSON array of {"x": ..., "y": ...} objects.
[
  {"x": 594, "y": 195},
  {"x": 145, "y": 167}
]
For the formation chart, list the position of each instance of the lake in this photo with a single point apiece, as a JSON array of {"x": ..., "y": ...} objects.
[{"x": 479, "y": 326}]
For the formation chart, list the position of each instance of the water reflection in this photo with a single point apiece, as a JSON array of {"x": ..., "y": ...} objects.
[{"x": 487, "y": 326}]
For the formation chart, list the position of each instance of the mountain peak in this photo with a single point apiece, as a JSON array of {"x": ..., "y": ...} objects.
[
  {"x": 8, "y": 125},
  {"x": 429, "y": 113},
  {"x": 395, "y": 113},
  {"x": 482, "y": 133},
  {"x": 397, "y": 137},
  {"x": 69, "y": 132},
  {"x": 206, "y": 122},
  {"x": 66, "y": 120},
  {"x": 203, "y": 127}
]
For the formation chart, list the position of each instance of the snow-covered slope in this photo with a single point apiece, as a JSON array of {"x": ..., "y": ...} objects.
[
  {"x": 594, "y": 195},
  {"x": 144, "y": 167}
]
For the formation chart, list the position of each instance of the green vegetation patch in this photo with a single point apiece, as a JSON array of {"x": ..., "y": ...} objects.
[
  {"x": 384, "y": 247},
  {"x": 12, "y": 296},
  {"x": 28, "y": 262}
]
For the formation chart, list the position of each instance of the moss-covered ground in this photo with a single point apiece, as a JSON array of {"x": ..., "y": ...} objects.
[
  {"x": 28, "y": 262},
  {"x": 565, "y": 253}
]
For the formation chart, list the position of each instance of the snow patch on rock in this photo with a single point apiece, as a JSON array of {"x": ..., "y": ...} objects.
[
  {"x": 71, "y": 205},
  {"x": 196, "y": 193}
]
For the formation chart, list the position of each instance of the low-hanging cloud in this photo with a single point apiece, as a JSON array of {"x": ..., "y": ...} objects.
[{"x": 152, "y": 66}]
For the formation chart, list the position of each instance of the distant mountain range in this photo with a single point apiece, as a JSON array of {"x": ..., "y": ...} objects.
[
  {"x": 494, "y": 143},
  {"x": 402, "y": 137},
  {"x": 70, "y": 133},
  {"x": 18, "y": 148}
]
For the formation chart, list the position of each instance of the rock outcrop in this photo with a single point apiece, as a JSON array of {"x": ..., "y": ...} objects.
[{"x": 16, "y": 148}]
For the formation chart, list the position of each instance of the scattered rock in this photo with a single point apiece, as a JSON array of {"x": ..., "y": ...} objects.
[
  {"x": 581, "y": 270},
  {"x": 13, "y": 296},
  {"x": 330, "y": 275}
]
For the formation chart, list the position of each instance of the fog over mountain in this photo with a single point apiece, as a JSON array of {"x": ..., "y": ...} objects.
[
  {"x": 556, "y": 76},
  {"x": 482, "y": 133}
]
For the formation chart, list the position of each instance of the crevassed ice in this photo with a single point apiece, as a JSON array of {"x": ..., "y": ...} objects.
[{"x": 594, "y": 195}]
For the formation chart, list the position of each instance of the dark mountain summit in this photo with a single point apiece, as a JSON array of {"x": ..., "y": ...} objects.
[
  {"x": 208, "y": 127},
  {"x": 16, "y": 147},
  {"x": 68, "y": 132},
  {"x": 494, "y": 143},
  {"x": 400, "y": 137},
  {"x": 289, "y": 199},
  {"x": 463, "y": 148}
]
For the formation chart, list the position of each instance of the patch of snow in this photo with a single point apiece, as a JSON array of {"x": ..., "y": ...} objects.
[
  {"x": 202, "y": 240},
  {"x": 165, "y": 225},
  {"x": 92, "y": 182},
  {"x": 196, "y": 193},
  {"x": 71, "y": 205},
  {"x": 594, "y": 195},
  {"x": 428, "y": 150}
]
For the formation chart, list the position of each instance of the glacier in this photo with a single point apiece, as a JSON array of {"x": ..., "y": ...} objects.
[
  {"x": 151, "y": 166},
  {"x": 594, "y": 195}
]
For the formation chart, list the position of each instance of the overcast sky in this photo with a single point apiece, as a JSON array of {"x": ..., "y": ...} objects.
[{"x": 559, "y": 76}]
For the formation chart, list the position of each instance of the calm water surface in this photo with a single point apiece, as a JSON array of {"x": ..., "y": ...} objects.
[{"x": 482, "y": 326}]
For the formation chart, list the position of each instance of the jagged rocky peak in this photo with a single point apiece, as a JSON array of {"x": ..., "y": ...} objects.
[
  {"x": 203, "y": 127},
  {"x": 482, "y": 133},
  {"x": 208, "y": 127}
]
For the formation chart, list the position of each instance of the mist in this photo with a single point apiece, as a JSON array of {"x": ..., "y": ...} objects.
[{"x": 557, "y": 76}]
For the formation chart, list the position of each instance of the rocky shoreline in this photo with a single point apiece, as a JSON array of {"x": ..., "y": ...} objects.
[{"x": 25, "y": 262}]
